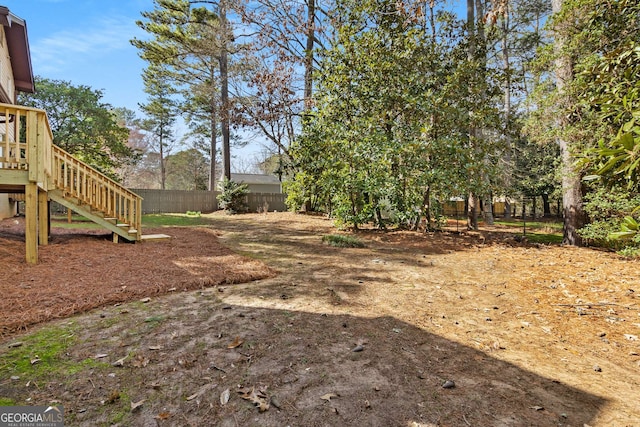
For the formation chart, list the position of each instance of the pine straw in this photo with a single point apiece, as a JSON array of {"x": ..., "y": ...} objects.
[{"x": 81, "y": 270}]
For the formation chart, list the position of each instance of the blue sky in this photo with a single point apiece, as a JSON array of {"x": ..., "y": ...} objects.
[{"x": 86, "y": 42}]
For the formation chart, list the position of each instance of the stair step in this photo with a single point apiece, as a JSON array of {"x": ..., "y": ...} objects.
[
  {"x": 155, "y": 237},
  {"x": 111, "y": 220}
]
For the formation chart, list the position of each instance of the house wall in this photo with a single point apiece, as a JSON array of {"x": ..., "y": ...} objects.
[{"x": 6, "y": 72}]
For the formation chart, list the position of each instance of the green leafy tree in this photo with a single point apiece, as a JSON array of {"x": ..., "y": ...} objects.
[
  {"x": 389, "y": 129},
  {"x": 82, "y": 124},
  {"x": 608, "y": 85},
  {"x": 187, "y": 170}
]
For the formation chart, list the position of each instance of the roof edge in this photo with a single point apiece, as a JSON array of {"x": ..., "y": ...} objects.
[{"x": 18, "y": 45}]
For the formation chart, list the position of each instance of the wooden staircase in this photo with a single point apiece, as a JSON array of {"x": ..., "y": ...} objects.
[
  {"x": 31, "y": 164},
  {"x": 79, "y": 187}
]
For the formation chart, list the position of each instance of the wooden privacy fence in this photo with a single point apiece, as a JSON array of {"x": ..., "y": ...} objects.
[{"x": 181, "y": 201}]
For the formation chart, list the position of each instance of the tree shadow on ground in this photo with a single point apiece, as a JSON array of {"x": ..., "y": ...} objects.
[{"x": 303, "y": 363}]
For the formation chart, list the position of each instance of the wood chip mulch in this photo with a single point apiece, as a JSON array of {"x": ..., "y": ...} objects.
[{"x": 82, "y": 270}]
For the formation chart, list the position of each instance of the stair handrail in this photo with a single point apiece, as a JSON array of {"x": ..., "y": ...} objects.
[{"x": 88, "y": 185}]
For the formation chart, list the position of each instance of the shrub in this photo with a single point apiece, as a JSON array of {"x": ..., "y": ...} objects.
[
  {"x": 232, "y": 196},
  {"x": 342, "y": 241},
  {"x": 608, "y": 210}
]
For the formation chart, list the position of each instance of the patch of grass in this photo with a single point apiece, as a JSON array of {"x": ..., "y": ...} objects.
[
  {"x": 154, "y": 320},
  {"x": 549, "y": 226},
  {"x": 174, "y": 220},
  {"x": 74, "y": 218},
  {"x": 544, "y": 238},
  {"x": 41, "y": 354},
  {"x": 83, "y": 224},
  {"x": 342, "y": 241},
  {"x": 5, "y": 401}
]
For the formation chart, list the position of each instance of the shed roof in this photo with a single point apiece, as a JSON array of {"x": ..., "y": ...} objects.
[
  {"x": 15, "y": 30},
  {"x": 251, "y": 178}
]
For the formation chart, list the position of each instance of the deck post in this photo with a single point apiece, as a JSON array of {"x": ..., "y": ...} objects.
[
  {"x": 43, "y": 218},
  {"x": 31, "y": 222}
]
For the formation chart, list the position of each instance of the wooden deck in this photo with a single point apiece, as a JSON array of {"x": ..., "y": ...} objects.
[{"x": 35, "y": 170}]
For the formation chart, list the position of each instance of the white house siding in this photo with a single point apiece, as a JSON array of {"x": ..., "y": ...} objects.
[
  {"x": 7, "y": 208},
  {"x": 6, "y": 73}
]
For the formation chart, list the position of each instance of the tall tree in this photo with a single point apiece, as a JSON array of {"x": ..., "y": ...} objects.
[
  {"x": 82, "y": 124},
  {"x": 193, "y": 39},
  {"x": 161, "y": 112},
  {"x": 573, "y": 212}
]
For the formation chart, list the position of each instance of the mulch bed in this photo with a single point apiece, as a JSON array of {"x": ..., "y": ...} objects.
[{"x": 83, "y": 269}]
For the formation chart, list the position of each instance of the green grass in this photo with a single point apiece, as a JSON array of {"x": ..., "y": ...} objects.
[
  {"x": 41, "y": 355},
  {"x": 189, "y": 219},
  {"x": 174, "y": 220},
  {"x": 342, "y": 241},
  {"x": 533, "y": 225},
  {"x": 544, "y": 238},
  {"x": 5, "y": 401}
]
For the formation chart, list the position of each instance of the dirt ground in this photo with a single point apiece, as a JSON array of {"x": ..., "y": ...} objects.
[{"x": 253, "y": 321}]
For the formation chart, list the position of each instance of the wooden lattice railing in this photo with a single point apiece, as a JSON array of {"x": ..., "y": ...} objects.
[{"x": 26, "y": 143}]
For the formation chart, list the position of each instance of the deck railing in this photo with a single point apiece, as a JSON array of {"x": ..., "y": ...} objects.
[{"x": 26, "y": 143}]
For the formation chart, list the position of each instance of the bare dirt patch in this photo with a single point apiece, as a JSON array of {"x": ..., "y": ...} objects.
[{"x": 529, "y": 335}]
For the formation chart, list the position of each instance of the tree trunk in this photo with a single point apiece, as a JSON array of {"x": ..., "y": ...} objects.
[
  {"x": 426, "y": 207},
  {"x": 546, "y": 207},
  {"x": 488, "y": 210},
  {"x": 308, "y": 54},
  {"x": 507, "y": 106},
  {"x": 472, "y": 211},
  {"x": 213, "y": 123},
  {"x": 163, "y": 166},
  {"x": 571, "y": 186},
  {"x": 533, "y": 208},
  {"x": 224, "y": 94},
  {"x": 472, "y": 204}
]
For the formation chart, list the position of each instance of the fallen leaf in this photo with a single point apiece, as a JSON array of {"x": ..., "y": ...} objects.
[
  {"x": 115, "y": 395},
  {"x": 100, "y": 356},
  {"x": 201, "y": 391},
  {"x": 236, "y": 343},
  {"x": 140, "y": 362},
  {"x": 537, "y": 408},
  {"x": 163, "y": 416},
  {"x": 257, "y": 397},
  {"x": 136, "y": 405},
  {"x": 328, "y": 396},
  {"x": 155, "y": 347},
  {"x": 224, "y": 397},
  {"x": 35, "y": 360},
  {"x": 145, "y": 300},
  {"x": 120, "y": 362}
]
